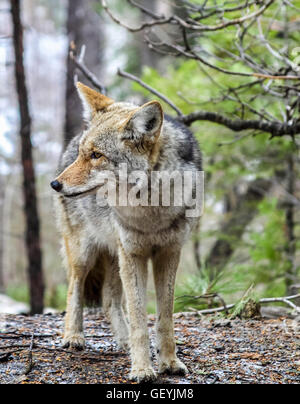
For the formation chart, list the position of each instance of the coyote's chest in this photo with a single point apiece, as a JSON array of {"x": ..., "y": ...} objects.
[{"x": 149, "y": 227}]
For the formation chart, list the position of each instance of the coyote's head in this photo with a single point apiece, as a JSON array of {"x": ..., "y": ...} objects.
[{"x": 117, "y": 133}]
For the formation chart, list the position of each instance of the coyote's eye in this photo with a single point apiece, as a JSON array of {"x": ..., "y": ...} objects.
[{"x": 96, "y": 156}]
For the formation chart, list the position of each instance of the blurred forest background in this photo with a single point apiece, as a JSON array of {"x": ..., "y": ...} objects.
[{"x": 229, "y": 69}]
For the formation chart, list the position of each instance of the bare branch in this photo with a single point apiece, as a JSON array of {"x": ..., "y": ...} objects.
[
  {"x": 86, "y": 72},
  {"x": 190, "y": 54},
  {"x": 129, "y": 76},
  {"x": 137, "y": 29},
  {"x": 146, "y": 10},
  {"x": 274, "y": 128},
  {"x": 236, "y": 21},
  {"x": 194, "y": 26},
  {"x": 269, "y": 77},
  {"x": 286, "y": 300}
]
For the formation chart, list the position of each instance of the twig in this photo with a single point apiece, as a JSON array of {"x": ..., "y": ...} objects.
[
  {"x": 146, "y": 10},
  {"x": 267, "y": 76},
  {"x": 99, "y": 336},
  {"x": 237, "y": 139},
  {"x": 129, "y": 76},
  {"x": 18, "y": 336},
  {"x": 83, "y": 355},
  {"x": 191, "y": 55},
  {"x": 87, "y": 73},
  {"x": 30, "y": 363},
  {"x": 19, "y": 347},
  {"x": 40, "y": 336},
  {"x": 285, "y": 299},
  {"x": 137, "y": 29},
  {"x": 206, "y": 296},
  {"x": 10, "y": 337},
  {"x": 206, "y": 311}
]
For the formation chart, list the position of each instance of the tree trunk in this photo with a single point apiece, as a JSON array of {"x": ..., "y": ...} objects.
[
  {"x": 84, "y": 28},
  {"x": 33, "y": 248},
  {"x": 1, "y": 233},
  {"x": 234, "y": 226}
]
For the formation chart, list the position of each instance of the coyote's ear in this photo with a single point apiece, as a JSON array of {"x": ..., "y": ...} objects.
[
  {"x": 92, "y": 101},
  {"x": 147, "y": 121}
]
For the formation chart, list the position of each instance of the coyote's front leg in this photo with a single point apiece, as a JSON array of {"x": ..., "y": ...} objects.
[
  {"x": 112, "y": 300},
  {"x": 165, "y": 264},
  {"x": 133, "y": 271},
  {"x": 73, "y": 336}
]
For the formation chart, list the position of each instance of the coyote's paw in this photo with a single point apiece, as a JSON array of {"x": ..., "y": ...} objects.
[
  {"x": 140, "y": 375},
  {"x": 75, "y": 341},
  {"x": 172, "y": 367}
]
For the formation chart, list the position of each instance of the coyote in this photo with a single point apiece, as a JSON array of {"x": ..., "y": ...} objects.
[{"x": 107, "y": 248}]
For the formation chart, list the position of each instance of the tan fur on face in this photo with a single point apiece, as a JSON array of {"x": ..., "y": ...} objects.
[{"x": 79, "y": 171}]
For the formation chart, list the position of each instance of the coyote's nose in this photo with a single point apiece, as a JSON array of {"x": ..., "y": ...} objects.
[{"x": 57, "y": 186}]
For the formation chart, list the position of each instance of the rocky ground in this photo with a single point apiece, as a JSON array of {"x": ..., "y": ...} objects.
[{"x": 215, "y": 351}]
